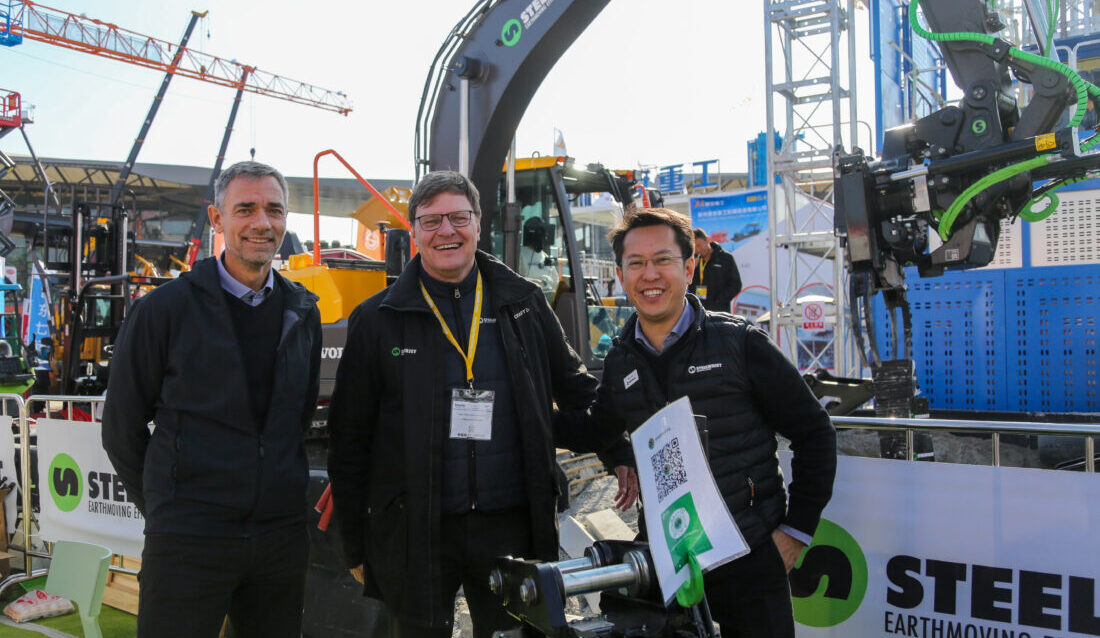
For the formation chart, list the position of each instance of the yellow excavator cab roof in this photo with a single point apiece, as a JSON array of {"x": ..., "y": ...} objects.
[{"x": 528, "y": 163}]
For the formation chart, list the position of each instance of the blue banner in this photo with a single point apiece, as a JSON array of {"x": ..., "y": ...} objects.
[{"x": 38, "y": 314}]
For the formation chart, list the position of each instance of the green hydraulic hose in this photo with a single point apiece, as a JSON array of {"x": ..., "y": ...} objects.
[
  {"x": 1052, "y": 10},
  {"x": 1078, "y": 83},
  {"x": 1032, "y": 216},
  {"x": 995, "y": 177},
  {"x": 1082, "y": 88}
]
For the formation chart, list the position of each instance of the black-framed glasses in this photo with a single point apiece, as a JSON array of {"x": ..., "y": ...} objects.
[
  {"x": 660, "y": 262},
  {"x": 432, "y": 221}
]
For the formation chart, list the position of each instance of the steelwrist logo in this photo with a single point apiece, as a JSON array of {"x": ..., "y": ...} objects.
[
  {"x": 513, "y": 29},
  {"x": 511, "y": 32},
  {"x": 829, "y": 582},
  {"x": 397, "y": 352},
  {"x": 106, "y": 494},
  {"x": 66, "y": 486}
]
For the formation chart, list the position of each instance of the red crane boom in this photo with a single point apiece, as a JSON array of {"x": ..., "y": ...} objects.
[{"x": 38, "y": 22}]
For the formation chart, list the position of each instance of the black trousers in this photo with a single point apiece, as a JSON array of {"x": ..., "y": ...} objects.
[
  {"x": 190, "y": 583},
  {"x": 470, "y": 544},
  {"x": 751, "y": 596}
]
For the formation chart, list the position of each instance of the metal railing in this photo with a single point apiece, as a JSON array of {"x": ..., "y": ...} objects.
[
  {"x": 993, "y": 428},
  {"x": 63, "y": 406}
]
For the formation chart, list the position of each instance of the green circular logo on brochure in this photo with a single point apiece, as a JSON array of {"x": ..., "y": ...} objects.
[
  {"x": 830, "y": 579},
  {"x": 66, "y": 484},
  {"x": 511, "y": 32}
]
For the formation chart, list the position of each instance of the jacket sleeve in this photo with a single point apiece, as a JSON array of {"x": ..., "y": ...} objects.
[
  {"x": 136, "y": 373},
  {"x": 314, "y": 388},
  {"x": 352, "y": 414},
  {"x": 574, "y": 391},
  {"x": 792, "y": 410}
]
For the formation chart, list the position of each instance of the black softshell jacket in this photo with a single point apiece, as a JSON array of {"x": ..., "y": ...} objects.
[
  {"x": 385, "y": 455},
  {"x": 208, "y": 469}
]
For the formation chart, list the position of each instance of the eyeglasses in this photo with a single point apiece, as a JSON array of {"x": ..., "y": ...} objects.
[
  {"x": 660, "y": 262},
  {"x": 433, "y": 221}
]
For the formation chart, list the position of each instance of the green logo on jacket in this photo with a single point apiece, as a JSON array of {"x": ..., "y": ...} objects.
[{"x": 396, "y": 352}]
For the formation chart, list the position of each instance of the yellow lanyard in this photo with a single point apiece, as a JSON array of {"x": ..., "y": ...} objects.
[
  {"x": 475, "y": 328},
  {"x": 702, "y": 269}
]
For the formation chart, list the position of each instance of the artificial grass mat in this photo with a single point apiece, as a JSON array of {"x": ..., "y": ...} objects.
[{"x": 112, "y": 622}]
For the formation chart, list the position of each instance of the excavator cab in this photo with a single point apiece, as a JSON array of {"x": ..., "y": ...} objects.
[{"x": 537, "y": 235}]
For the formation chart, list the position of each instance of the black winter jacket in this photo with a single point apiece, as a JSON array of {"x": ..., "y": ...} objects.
[
  {"x": 722, "y": 279},
  {"x": 385, "y": 454},
  {"x": 747, "y": 389},
  {"x": 209, "y": 469}
]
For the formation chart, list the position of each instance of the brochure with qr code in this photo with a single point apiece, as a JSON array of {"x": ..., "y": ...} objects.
[{"x": 684, "y": 511}]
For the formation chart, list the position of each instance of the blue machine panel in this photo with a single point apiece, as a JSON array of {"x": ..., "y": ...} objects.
[
  {"x": 1051, "y": 354},
  {"x": 958, "y": 338},
  {"x": 1020, "y": 339}
]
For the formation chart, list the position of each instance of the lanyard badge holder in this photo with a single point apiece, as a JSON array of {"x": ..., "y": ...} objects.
[
  {"x": 701, "y": 290},
  {"x": 471, "y": 409}
]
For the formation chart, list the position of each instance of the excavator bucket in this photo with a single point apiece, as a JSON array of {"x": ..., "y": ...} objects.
[{"x": 373, "y": 212}]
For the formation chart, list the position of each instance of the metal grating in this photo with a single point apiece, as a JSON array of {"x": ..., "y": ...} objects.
[
  {"x": 958, "y": 338},
  {"x": 1052, "y": 354},
  {"x": 1071, "y": 235}
]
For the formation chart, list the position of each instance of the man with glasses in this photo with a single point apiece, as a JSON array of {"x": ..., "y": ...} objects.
[
  {"x": 673, "y": 347},
  {"x": 444, "y": 421}
]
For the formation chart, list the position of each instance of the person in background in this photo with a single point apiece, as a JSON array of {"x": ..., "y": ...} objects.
[
  {"x": 716, "y": 281},
  {"x": 534, "y": 263}
]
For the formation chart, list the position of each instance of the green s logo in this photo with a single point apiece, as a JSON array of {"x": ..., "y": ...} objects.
[
  {"x": 66, "y": 484},
  {"x": 396, "y": 351},
  {"x": 830, "y": 579},
  {"x": 511, "y": 32},
  {"x": 979, "y": 127}
]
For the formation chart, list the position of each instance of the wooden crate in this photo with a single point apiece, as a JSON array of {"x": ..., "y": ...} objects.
[{"x": 122, "y": 589}]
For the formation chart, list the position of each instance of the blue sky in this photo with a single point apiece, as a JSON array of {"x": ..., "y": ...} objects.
[{"x": 643, "y": 85}]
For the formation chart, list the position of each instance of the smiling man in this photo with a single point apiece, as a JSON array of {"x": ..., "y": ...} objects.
[
  {"x": 224, "y": 360},
  {"x": 673, "y": 347},
  {"x": 444, "y": 421}
]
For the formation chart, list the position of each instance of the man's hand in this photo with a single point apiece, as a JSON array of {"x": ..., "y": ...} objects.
[
  {"x": 357, "y": 573},
  {"x": 628, "y": 487},
  {"x": 790, "y": 548}
]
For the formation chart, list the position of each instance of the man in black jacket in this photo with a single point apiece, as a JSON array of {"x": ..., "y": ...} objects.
[
  {"x": 673, "y": 347},
  {"x": 716, "y": 280},
  {"x": 443, "y": 423},
  {"x": 224, "y": 360}
]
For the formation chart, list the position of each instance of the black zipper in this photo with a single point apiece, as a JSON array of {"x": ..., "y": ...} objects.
[{"x": 752, "y": 490}]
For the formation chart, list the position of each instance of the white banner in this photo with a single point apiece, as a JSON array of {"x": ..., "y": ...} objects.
[
  {"x": 8, "y": 473},
  {"x": 81, "y": 498},
  {"x": 683, "y": 506},
  {"x": 938, "y": 550}
]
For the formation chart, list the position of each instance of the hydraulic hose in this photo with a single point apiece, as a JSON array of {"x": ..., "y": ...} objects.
[
  {"x": 1082, "y": 88},
  {"x": 948, "y": 218}
]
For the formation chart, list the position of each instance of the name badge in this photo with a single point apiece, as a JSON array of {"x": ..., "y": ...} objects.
[
  {"x": 472, "y": 414},
  {"x": 701, "y": 292}
]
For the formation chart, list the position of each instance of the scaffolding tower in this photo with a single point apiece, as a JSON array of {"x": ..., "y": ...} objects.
[{"x": 811, "y": 103}]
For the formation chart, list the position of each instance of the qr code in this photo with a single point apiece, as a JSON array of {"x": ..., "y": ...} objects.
[{"x": 668, "y": 469}]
